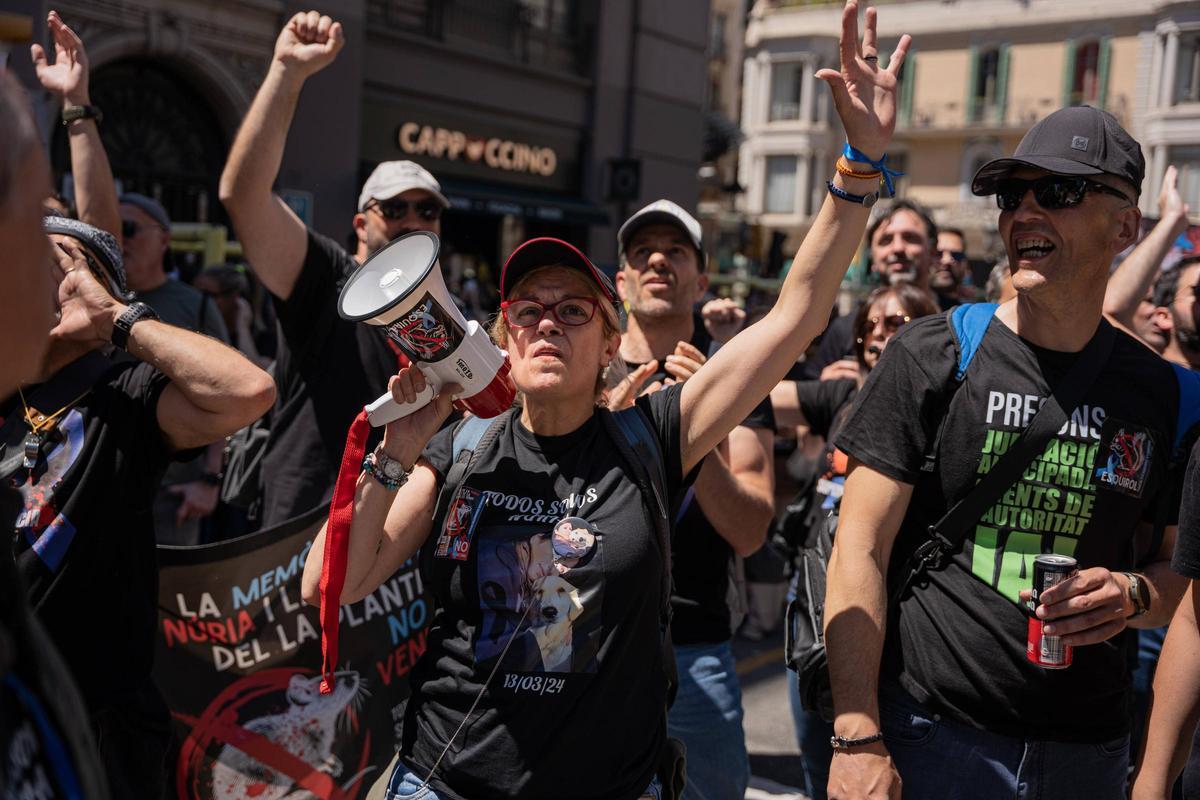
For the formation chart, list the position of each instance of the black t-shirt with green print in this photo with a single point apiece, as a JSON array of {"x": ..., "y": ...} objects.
[{"x": 959, "y": 642}]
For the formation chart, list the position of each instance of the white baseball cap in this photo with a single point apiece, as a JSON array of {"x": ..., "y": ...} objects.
[
  {"x": 662, "y": 211},
  {"x": 391, "y": 178}
]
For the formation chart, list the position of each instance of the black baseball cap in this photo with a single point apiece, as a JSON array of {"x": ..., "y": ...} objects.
[
  {"x": 547, "y": 251},
  {"x": 1078, "y": 140}
]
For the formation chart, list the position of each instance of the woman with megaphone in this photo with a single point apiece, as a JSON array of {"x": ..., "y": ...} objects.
[{"x": 545, "y": 674}]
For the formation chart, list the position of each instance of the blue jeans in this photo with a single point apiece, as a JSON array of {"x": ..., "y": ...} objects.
[
  {"x": 813, "y": 735},
  {"x": 405, "y": 785},
  {"x": 938, "y": 758},
  {"x": 707, "y": 718}
]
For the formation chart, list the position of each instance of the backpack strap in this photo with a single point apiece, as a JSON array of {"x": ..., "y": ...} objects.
[
  {"x": 969, "y": 323},
  {"x": 638, "y": 446},
  {"x": 630, "y": 431},
  {"x": 1189, "y": 408},
  {"x": 472, "y": 437}
]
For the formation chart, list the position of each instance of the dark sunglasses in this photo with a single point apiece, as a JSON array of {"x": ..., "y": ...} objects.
[
  {"x": 958, "y": 256},
  {"x": 129, "y": 229},
  {"x": 891, "y": 323},
  {"x": 1050, "y": 191},
  {"x": 428, "y": 210},
  {"x": 572, "y": 311}
]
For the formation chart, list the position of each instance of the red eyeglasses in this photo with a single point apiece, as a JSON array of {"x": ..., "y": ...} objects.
[{"x": 572, "y": 311}]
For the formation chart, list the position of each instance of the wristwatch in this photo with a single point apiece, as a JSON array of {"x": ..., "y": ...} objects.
[
  {"x": 124, "y": 324},
  {"x": 865, "y": 200},
  {"x": 72, "y": 113},
  {"x": 385, "y": 469},
  {"x": 845, "y": 742},
  {"x": 1139, "y": 594}
]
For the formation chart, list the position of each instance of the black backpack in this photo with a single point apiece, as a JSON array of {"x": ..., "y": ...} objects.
[{"x": 804, "y": 632}]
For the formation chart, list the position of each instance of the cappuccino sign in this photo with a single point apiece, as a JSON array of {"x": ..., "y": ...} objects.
[{"x": 497, "y": 153}]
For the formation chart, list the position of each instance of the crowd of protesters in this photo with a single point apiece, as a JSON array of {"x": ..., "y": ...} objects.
[{"x": 645, "y": 434}]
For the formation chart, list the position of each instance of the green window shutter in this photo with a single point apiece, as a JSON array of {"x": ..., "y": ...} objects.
[
  {"x": 1068, "y": 80},
  {"x": 906, "y": 88},
  {"x": 1002, "y": 83},
  {"x": 1102, "y": 68},
  {"x": 973, "y": 56}
]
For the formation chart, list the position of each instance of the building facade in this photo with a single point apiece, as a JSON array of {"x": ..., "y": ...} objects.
[
  {"x": 540, "y": 117},
  {"x": 980, "y": 73}
]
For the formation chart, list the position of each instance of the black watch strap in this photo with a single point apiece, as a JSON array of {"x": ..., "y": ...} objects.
[
  {"x": 124, "y": 323},
  {"x": 845, "y": 743},
  {"x": 72, "y": 113}
]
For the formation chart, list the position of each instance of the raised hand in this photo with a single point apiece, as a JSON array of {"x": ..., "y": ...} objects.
[
  {"x": 1171, "y": 207},
  {"x": 684, "y": 362},
  {"x": 864, "y": 94},
  {"x": 86, "y": 310},
  {"x": 67, "y": 77},
  {"x": 309, "y": 43},
  {"x": 624, "y": 393},
  {"x": 405, "y": 438},
  {"x": 723, "y": 318}
]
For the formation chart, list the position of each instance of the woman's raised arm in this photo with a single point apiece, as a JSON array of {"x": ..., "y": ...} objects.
[
  {"x": 388, "y": 526},
  {"x": 741, "y": 374}
]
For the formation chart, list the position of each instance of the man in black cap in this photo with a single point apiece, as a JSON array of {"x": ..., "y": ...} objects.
[
  {"x": 951, "y": 704},
  {"x": 725, "y": 513}
]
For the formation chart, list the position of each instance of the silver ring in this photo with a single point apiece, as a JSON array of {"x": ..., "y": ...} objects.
[{"x": 870, "y": 58}]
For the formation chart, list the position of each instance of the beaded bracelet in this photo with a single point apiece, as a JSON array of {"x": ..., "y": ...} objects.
[{"x": 843, "y": 168}]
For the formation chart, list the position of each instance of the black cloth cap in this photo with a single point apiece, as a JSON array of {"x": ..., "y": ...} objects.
[
  {"x": 549, "y": 252},
  {"x": 1078, "y": 140},
  {"x": 101, "y": 244}
]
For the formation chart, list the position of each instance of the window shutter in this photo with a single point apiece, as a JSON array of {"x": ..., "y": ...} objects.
[
  {"x": 1002, "y": 83},
  {"x": 1104, "y": 59},
  {"x": 906, "y": 87},
  {"x": 1068, "y": 81},
  {"x": 972, "y": 110}
]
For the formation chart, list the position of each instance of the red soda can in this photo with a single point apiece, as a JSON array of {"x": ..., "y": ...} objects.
[{"x": 1048, "y": 651}]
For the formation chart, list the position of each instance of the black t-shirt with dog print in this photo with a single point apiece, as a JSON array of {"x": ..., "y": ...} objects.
[
  {"x": 547, "y": 571},
  {"x": 960, "y": 641}
]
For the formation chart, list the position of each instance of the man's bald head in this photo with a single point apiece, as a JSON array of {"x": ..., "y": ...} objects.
[
  {"x": 26, "y": 304},
  {"x": 17, "y": 136}
]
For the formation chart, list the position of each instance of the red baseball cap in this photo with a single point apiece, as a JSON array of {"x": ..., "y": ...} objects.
[{"x": 547, "y": 251}]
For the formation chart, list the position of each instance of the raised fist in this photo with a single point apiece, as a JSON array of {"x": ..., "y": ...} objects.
[{"x": 309, "y": 43}]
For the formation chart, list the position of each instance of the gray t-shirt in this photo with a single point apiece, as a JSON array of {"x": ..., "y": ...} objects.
[{"x": 186, "y": 307}]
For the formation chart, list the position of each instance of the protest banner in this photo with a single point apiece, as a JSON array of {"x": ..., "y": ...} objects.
[{"x": 238, "y": 661}]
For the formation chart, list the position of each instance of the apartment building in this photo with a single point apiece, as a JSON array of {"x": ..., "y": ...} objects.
[{"x": 980, "y": 73}]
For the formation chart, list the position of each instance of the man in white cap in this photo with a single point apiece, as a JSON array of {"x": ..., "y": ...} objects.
[
  {"x": 727, "y": 511},
  {"x": 326, "y": 368}
]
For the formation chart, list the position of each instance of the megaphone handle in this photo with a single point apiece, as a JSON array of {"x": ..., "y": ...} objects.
[{"x": 385, "y": 409}]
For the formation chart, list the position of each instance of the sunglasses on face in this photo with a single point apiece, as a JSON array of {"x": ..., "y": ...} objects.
[
  {"x": 572, "y": 311},
  {"x": 891, "y": 323},
  {"x": 957, "y": 256},
  {"x": 427, "y": 210},
  {"x": 1050, "y": 191}
]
